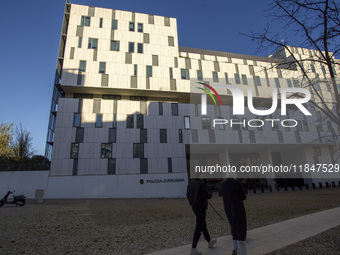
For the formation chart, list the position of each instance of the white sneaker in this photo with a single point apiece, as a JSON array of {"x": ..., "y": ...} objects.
[
  {"x": 194, "y": 251},
  {"x": 212, "y": 242}
]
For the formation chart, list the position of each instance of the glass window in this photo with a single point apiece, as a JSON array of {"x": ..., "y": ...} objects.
[
  {"x": 93, "y": 42},
  {"x": 112, "y": 135},
  {"x": 244, "y": 79},
  {"x": 131, "y": 26},
  {"x": 313, "y": 68},
  {"x": 82, "y": 65},
  {"x": 74, "y": 150},
  {"x": 289, "y": 83},
  {"x": 194, "y": 136},
  {"x": 77, "y": 120},
  {"x": 111, "y": 168},
  {"x": 257, "y": 81},
  {"x": 160, "y": 106},
  {"x": 114, "y": 46},
  {"x": 205, "y": 122},
  {"x": 199, "y": 75},
  {"x": 185, "y": 74},
  {"x": 296, "y": 83},
  {"x": 174, "y": 109},
  {"x": 237, "y": 79},
  {"x": 102, "y": 67},
  {"x": 80, "y": 40},
  {"x": 114, "y": 24},
  {"x": 215, "y": 76},
  {"x": 148, "y": 71},
  {"x": 163, "y": 136},
  {"x": 138, "y": 150},
  {"x": 140, "y": 48},
  {"x": 180, "y": 135},
  {"x": 79, "y": 135},
  {"x": 101, "y": 22},
  {"x": 106, "y": 150},
  {"x": 323, "y": 69},
  {"x": 143, "y": 165},
  {"x": 186, "y": 122},
  {"x": 143, "y": 135},
  {"x": 277, "y": 82},
  {"x": 226, "y": 78},
  {"x": 171, "y": 73},
  {"x": 140, "y": 121},
  {"x": 85, "y": 21},
  {"x": 211, "y": 134},
  {"x": 129, "y": 121},
  {"x": 169, "y": 165},
  {"x": 140, "y": 27},
  {"x": 131, "y": 47},
  {"x": 99, "y": 121}
]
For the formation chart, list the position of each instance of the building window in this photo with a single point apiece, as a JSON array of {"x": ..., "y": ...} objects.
[
  {"x": 215, "y": 77},
  {"x": 226, "y": 78},
  {"x": 323, "y": 69},
  {"x": 139, "y": 48},
  {"x": 114, "y": 24},
  {"x": 100, "y": 22},
  {"x": 111, "y": 166},
  {"x": 80, "y": 40},
  {"x": 114, "y": 46},
  {"x": 185, "y": 74},
  {"x": 169, "y": 165},
  {"x": 296, "y": 83},
  {"x": 74, "y": 150},
  {"x": 237, "y": 78},
  {"x": 211, "y": 134},
  {"x": 148, "y": 71},
  {"x": 77, "y": 120},
  {"x": 131, "y": 26},
  {"x": 163, "y": 136},
  {"x": 244, "y": 79},
  {"x": 131, "y": 47},
  {"x": 186, "y": 122},
  {"x": 174, "y": 109},
  {"x": 106, "y": 151},
  {"x": 140, "y": 121},
  {"x": 82, "y": 66},
  {"x": 138, "y": 150},
  {"x": 289, "y": 83},
  {"x": 205, "y": 122},
  {"x": 99, "y": 121},
  {"x": 85, "y": 21},
  {"x": 143, "y": 165},
  {"x": 180, "y": 135},
  {"x": 79, "y": 135},
  {"x": 313, "y": 68},
  {"x": 143, "y": 135},
  {"x": 93, "y": 42},
  {"x": 160, "y": 108},
  {"x": 75, "y": 167},
  {"x": 140, "y": 27},
  {"x": 112, "y": 135},
  {"x": 257, "y": 81},
  {"x": 171, "y": 73},
  {"x": 102, "y": 67},
  {"x": 277, "y": 82},
  {"x": 194, "y": 136},
  {"x": 199, "y": 75},
  {"x": 129, "y": 121}
]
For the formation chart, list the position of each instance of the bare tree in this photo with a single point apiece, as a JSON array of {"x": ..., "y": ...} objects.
[
  {"x": 22, "y": 146},
  {"x": 317, "y": 25}
]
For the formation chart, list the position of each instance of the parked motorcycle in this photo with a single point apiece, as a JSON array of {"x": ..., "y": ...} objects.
[{"x": 17, "y": 200}]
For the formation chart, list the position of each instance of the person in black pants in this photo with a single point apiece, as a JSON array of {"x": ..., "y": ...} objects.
[{"x": 197, "y": 195}]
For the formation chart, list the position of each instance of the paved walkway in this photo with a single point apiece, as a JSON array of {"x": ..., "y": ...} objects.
[{"x": 269, "y": 238}]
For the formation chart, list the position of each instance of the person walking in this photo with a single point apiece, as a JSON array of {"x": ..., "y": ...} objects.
[
  {"x": 233, "y": 196},
  {"x": 198, "y": 196}
]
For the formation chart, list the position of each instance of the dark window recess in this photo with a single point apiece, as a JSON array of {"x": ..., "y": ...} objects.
[
  {"x": 114, "y": 46},
  {"x": 102, "y": 67},
  {"x": 79, "y": 135},
  {"x": 180, "y": 135},
  {"x": 82, "y": 66},
  {"x": 100, "y": 22},
  {"x": 163, "y": 136},
  {"x": 131, "y": 47},
  {"x": 75, "y": 167},
  {"x": 129, "y": 121},
  {"x": 114, "y": 24},
  {"x": 148, "y": 71},
  {"x": 111, "y": 166},
  {"x": 169, "y": 165},
  {"x": 106, "y": 150},
  {"x": 237, "y": 79},
  {"x": 74, "y": 150},
  {"x": 99, "y": 121},
  {"x": 174, "y": 109},
  {"x": 131, "y": 26},
  {"x": 194, "y": 136},
  {"x": 138, "y": 98},
  {"x": 140, "y": 121},
  {"x": 211, "y": 134},
  {"x": 199, "y": 75},
  {"x": 138, "y": 150},
  {"x": 185, "y": 74},
  {"x": 112, "y": 135},
  {"x": 85, "y": 21},
  {"x": 139, "y": 48},
  {"x": 93, "y": 43},
  {"x": 160, "y": 108},
  {"x": 143, "y": 165},
  {"x": 206, "y": 123},
  {"x": 143, "y": 135},
  {"x": 140, "y": 27}
]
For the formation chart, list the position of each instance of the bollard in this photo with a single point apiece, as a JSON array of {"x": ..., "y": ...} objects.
[
  {"x": 307, "y": 186},
  {"x": 333, "y": 184},
  {"x": 320, "y": 185},
  {"x": 313, "y": 185}
]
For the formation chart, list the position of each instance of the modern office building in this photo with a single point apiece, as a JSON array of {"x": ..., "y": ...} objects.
[{"x": 124, "y": 109}]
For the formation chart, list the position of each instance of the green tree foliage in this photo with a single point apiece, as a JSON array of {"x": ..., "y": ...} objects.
[{"x": 6, "y": 138}]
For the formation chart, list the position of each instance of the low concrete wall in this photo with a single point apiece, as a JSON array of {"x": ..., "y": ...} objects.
[{"x": 94, "y": 186}]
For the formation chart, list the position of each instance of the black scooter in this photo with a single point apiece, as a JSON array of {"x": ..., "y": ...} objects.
[{"x": 17, "y": 200}]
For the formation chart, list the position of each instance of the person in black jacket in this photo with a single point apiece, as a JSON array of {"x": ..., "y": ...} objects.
[
  {"x": 233, "y": 196},
  {"x": 197, "y": 195}
]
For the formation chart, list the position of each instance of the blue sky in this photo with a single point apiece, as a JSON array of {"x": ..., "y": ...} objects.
[{"x": 30, "y": 34}]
